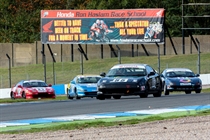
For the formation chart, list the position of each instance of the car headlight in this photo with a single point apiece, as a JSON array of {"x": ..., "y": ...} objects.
[
  {"x": 50, "y": 90},
  {"x": 135, "y": 80},
  {"x": 103, "y": 81},
  {"x": 142, "y": 82},
  {"x": 198, "y": 83},
  {"x": 80, "y": 89},
  {"x": 171, "y": 84},
  {"x": 101, "y": 86},
  {"x": 31, "y": 90}
]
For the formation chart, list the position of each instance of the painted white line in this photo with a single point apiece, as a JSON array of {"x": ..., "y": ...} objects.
[
  {"x": 156, "y": 111},
  {"x": 102, "y": 117},
  {"x": 72, "y": 118},
  {"x": 14, "y": 124},
  {"x": 3, "y": 125}
]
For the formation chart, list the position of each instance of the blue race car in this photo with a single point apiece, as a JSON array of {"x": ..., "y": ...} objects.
[
  {"x": 83, "y": 86},
  {"x": 180, "y": 79}
]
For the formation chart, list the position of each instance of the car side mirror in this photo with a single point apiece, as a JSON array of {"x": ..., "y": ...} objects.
[
  {"x": 197, "y": 75},
  {"x": 151, "y": 73},
  {"x": 103, "y": 74},
  {"x": 161, "y": 75},
  {"x": 50, "y": 85},
  {"x": 72, "y": 82},
  {"x": 19, "y": 86}
]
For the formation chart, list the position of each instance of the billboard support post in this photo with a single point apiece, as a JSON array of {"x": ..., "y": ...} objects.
[
  {"x": 81, "y": 60},
  {"x": 10, "y": 79},
  {"x": 132, "y": 50},
  {"x": 199, "y": 65},
  {"x": 102, "y": 51},
  {"x": 53, "y": 58},
  {"x": 82, "y": 51},
  {"x": 158, "y": 57},
  {"x": 44, "y": 62},
  {"x": 119, "y": 54},
  {"x": 72, "y": 53}
]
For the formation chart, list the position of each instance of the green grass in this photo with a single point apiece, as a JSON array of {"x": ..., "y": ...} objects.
[
  {"x": 65, "y": 71},
  {"x": 119, "y": 121},
  {"x": 8, "y": 100}
]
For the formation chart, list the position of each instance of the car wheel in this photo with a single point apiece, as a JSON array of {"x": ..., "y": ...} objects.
[
  {"x": 198, "y": 91},
  {"x": 100, "y": 97},
  {"x": 69, "y": 97},
  {"x": 145, "y": 94},
  {"x": 116, "y": 96},
  {"x": 166, "y": 92},
  {"x": 77, "y": 97},
  {"x": 108, "y": 97},
  {"x": 158, "y": 94},
  {"x": 23, "y": 95},
  {"x": 12, "y": 95},
  {"x": 67, "y": 90},
  {"x": 188, "y": 92}
]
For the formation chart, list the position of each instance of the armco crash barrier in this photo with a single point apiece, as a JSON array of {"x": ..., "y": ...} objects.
[{"x": 60, "y": 89}]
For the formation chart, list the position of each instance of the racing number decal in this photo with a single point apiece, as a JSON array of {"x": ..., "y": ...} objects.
[
  {"x": 18, "y": 91},
  {"x": 153, "y": 82},
  {"x": 120, "y": 80}
]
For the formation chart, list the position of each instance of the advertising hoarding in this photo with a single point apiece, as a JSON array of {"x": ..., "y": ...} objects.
[{"x": 123, "y": 26}]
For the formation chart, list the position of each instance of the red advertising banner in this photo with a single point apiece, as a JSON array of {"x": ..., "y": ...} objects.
[{"x": 126, "y": 26}]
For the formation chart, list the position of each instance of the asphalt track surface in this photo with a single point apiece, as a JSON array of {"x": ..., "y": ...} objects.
[{"x": 18, "y": 111}]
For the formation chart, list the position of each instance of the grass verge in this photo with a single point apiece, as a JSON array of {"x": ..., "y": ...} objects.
[{"x": 119, "y": 121}]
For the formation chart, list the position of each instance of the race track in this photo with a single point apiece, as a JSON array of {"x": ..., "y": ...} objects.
[{"x": 18, "y": 111}]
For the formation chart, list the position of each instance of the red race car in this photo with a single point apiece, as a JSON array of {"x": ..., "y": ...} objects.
[{"x": 29, "y": 89}]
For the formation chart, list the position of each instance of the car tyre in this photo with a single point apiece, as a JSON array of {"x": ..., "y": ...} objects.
[
  {"x": 145, "y": 94},
  {"x": 67, "y": 90},
  {"x": 100, "y": 97},
  {"x": 23, "y": 95},
  {"x": 158, "y": 94},
  {"x": 116, "y": 96},
  {"x": 77, "y": 97},
  {"x": 198, "y": 91},
  {"x": 69, "y": 97},
  {"x": 12, "y": 95},
  {"x": 188, "y": 92},
  {"x": 108, "y": 96},
  {"x": 166, "y": 92}
]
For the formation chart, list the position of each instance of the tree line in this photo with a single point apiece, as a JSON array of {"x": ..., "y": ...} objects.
[{"x": 20, "y": 19}]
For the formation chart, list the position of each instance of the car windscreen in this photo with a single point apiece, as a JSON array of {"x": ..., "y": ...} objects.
[
  {"x": 180, "y": 74},
  {"x": 35, "y": 84},
  {"x": 126, "y": 72},
  {"x": 90, "y": 79}
]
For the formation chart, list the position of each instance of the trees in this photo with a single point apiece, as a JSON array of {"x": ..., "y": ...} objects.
[{"x": 20, "y": 20}]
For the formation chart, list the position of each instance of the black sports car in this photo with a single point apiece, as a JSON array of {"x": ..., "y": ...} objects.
[
  {"x": 180, "y": 79},
  {"x": 129, "y": 79}
]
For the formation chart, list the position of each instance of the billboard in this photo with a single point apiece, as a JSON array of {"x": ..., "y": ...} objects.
[{"x": 125, "y": 26}]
